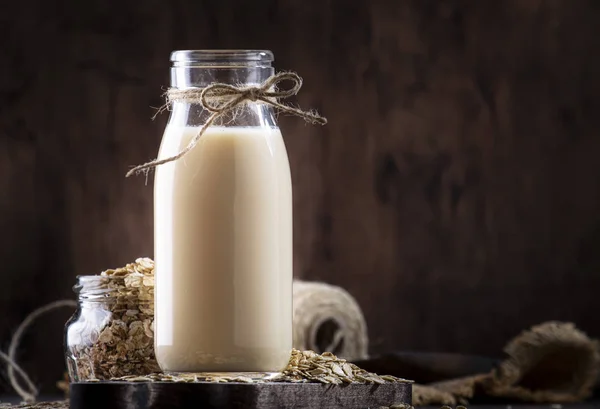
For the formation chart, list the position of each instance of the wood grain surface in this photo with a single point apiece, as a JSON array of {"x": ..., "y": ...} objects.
[
  {"x": 455, "y": 191},
  {"x": 169, "y": 395}
]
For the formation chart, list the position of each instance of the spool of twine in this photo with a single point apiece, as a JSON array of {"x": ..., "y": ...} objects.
[{"x": 328, "y": 318}]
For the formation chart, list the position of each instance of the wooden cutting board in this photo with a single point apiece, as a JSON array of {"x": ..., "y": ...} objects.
[{"x": 168, "y": 395}]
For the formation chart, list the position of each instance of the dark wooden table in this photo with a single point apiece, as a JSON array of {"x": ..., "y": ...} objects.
[{"x": 594, "y": 404}]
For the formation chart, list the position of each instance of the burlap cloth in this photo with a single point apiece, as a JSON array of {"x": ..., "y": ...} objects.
[{"x": 552, "y": 362}]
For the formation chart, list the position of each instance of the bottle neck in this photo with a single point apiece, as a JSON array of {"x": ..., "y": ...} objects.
[
  {"x": 202, "y": 76},
  {"x": 201, "y": 68}
]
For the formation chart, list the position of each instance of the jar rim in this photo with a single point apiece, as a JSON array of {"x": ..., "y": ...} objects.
[
  {"x": 88, "y": 279},
  {"x": 91, "y": 288}
]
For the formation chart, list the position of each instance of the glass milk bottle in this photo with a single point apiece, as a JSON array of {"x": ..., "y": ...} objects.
[{"x": 223, "y": 227}]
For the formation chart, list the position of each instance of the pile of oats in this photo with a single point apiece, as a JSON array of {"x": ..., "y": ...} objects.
[
  {"x": 112, "y": 334},
  {"x": 304, "y": 366},
  {"x": 308, "y": 366}
]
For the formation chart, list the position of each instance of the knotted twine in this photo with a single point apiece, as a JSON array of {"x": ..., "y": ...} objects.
[{"x": 220, "y": 99}]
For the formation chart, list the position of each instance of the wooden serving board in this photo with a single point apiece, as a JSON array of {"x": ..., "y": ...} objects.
[{"x": 168, "y": 395}]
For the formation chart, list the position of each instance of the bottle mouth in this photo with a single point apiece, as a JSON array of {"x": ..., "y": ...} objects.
[{"x": 222, "y": 58}]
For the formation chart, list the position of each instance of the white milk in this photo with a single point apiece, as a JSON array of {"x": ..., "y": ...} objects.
[{"x": 223, "y": 252}]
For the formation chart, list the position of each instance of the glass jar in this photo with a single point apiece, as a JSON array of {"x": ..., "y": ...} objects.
[
  {"x": 111, "y": 333},
  {"x": 223, "y": 227}
]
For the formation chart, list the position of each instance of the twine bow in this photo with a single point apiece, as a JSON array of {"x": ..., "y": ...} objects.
[{"x": 220, "y": 99}]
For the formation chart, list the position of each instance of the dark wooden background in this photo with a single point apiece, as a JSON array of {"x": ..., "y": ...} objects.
[{"x": 455, "y": 192}]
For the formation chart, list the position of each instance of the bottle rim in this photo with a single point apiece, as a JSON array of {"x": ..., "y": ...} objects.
[{"x": 224, "y": 58}]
